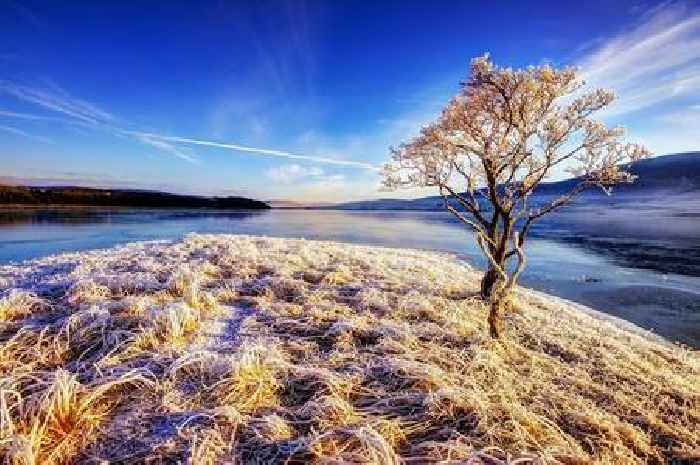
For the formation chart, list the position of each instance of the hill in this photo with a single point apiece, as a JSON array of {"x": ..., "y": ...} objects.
[
  {"x": 29, "y": 195},
  {"x": 676, "y": 172}
]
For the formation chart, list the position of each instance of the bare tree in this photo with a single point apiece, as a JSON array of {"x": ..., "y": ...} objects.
[{"x": 503, "y": 134}]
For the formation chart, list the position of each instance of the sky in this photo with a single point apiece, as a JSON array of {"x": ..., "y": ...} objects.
[{"x": 300, "y": 100}]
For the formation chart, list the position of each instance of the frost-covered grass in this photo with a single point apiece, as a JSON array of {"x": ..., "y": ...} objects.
[{"x": 238, "y": 349}]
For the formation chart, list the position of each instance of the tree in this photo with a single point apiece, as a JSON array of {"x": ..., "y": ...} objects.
[{"x": 503, "y": 134}]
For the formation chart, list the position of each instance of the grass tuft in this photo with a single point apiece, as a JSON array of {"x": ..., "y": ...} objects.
[
  {"x": 17, "y": 304},
  {"x": 252, "y": 382}
]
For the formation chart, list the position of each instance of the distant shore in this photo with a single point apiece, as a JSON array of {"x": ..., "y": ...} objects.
[
  {"x": 77, "y": 206},
  {"x": 83, "y": 196}
]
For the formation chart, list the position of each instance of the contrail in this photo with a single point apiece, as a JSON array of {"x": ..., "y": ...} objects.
[
  {"x": 261, "y": 151},
  {"x": 83, "y": 113},
  {"x": 19, "y": 132}
]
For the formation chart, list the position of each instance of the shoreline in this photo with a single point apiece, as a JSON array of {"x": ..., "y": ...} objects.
[
  {"x": 621, "y": 323},
  {"x": 59, "y": 206},
  {"x": 606, "y": 297}
]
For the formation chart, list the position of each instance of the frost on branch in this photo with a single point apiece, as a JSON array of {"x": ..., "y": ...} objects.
[{"x": 498, "y": 139}]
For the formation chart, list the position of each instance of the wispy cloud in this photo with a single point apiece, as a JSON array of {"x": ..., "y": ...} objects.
[
  {"x": 654, "y": 62},
  {"x": 287, "y": 174},
  {"x": 674, "y": 131},
  {"x": 80, "y": 113},
  {"x": 83, "y": 113},
  {"x": 164, "y": 146},
  {"x": 309, "y": 183},
  {"x": 654, "y": 68},
  {"x": 21, "y": 133},
  {"x": 259, "y": 151},
  {"x": 306, "y": 178},
  {"x": 58, "y": 100},
  {"x": 27, "y": 116}
]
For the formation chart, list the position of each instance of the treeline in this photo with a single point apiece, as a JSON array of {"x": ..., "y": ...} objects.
[{"x": 26, "y": 195}]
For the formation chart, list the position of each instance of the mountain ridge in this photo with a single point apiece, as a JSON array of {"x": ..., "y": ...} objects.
[{"x": 674, "y": 172}]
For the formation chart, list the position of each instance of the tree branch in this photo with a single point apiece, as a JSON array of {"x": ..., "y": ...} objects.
[
  {"x": 477, "y": 227},
  {"x": 471, "y": 208}
]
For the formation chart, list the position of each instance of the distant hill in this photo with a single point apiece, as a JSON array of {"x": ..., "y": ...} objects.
[
  {"x": 676, "y": 172},
  {"x": 30, "y": 195},
  {"x": 679, "y": 171}
]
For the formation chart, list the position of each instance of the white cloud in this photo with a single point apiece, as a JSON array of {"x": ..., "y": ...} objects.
[
  {"x": 684, "y": 117},
  {"x": 374, "y": 145},
  {"x": 328, "y": 188},
  {"x": 653, "y": 63},
  {"x": 335, "y": 178},
  {"x": 673, "y": 131},
  {"x": 287, "y": 174},
  {"x": 314, "y": 184}
]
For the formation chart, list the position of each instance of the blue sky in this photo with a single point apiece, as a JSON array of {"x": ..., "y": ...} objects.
[{"x": 300, "y": 100}]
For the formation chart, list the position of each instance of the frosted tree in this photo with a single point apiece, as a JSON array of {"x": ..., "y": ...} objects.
[{"x": 504, "y": 133}]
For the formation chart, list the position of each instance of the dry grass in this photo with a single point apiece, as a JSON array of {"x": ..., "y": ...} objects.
[
  {"x": 19, "y": 304},
  {"x": 237, "y": 349}
]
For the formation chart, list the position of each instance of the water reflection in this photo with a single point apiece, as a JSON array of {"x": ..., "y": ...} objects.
[
  {"x": 110, "y": 215},
  {"x": 42, "y": 216}
]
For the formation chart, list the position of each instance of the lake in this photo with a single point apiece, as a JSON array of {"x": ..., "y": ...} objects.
[{"x": 560, "y": 261}]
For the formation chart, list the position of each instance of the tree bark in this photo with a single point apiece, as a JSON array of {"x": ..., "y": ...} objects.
[
  {"x": 500, "y": 301},
  {"x": 488, "y": 283},
  {"x": 495, "y": 325},
  {"x": 492, "y": 290}
]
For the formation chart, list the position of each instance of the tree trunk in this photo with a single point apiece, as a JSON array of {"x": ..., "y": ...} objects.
[
  {"x": 488, "y": 283},
  {"x": 495, "y": 324},
  {"x": 499, "y": 305},
  {"x": 493, "y": 290},
  {"x": 496, "y": 287}
]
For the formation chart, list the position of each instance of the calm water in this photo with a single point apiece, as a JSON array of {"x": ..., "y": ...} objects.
[{"x": 562, "y": 268}]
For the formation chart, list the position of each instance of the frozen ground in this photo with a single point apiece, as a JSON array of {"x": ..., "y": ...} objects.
[{"x": 244, "y": 349}]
